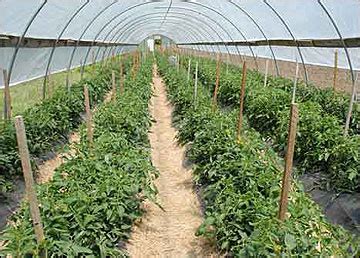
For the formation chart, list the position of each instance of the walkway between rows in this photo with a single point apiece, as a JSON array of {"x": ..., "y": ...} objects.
[{"x": 169, "y": 232}]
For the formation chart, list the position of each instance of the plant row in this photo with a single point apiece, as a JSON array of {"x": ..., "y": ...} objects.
[
  {"x": 91, "y": 203},
  {"x": 320, "y": 146},
  {"x": 50, "y": 122},
  {"x": 240, "y": 184}
]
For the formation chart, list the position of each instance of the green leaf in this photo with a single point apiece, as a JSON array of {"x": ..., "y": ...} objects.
[{"x": 290, "y": 241}]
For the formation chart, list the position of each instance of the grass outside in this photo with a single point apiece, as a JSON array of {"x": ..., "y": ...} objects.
[{"x": 27, "y": 94}]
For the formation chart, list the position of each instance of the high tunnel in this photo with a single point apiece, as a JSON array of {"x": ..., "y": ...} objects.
[{"x": 51, "y": 36}]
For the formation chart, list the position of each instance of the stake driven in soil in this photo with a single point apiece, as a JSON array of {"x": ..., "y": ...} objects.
[{"x": 169, "y": 232}]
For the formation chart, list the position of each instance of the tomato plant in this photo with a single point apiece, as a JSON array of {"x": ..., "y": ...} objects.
[
  {"x": 240, "y": 185},
  {"x": 320, "y": 142},
  {"x": 94, "y": 197}
]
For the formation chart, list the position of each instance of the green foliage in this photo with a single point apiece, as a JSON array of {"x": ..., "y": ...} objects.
[
  {"x": 94, "y": 198},
  {"x": 49, "y": 123},
  {"x": 240, "y": 184},
  {"x": 320, "y": 143}
]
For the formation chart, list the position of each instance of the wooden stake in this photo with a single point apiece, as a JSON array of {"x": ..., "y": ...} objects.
[
  {"x": 351, "y": 106},
  {"x": 88, "y": 117},
  {"x": 286, "y": 181},
  {"x": 295, "y": 82},
  {"x": 29, "y": 180},
  {"x": 335, "y": 69},
  {"x": 214, "y": 106},
  {"x": 121, "y": 78},
  {"x": 196, "y": 82},
  {"x": 189, "y": 68},
  {"x": 227, "y": 64},
  {"x": 178, "y": 62},
  {"x": 7, "y": 97},
  {"x": 113, "y": 80},
  {"x": 266, "y": 72},
  {"x": 242, "y": 96}
]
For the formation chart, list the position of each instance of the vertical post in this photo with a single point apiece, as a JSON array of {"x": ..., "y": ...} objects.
[
  {"x": 29, "y": 180},
  {"x": 295, "y": 82},
  {"x": 214, "y": 104},
  {"x": 242, "y": 96},
  {"x": 227, "y": 63},
  {"x": 266, "y": 72},
  {"x": 121, "y": 78},
  {"x": 178, "y": 62},
  {"x": 133, "y": 65},
  {"x": 335, "y": 69},
  {"x": 286, "y": 180},
  {"x": 351, "y": 105},
  {"x": 88, "y": 117},
  {"x": 113, "y": 81},
  {"x": 188, "y": 71},
  {"x": 7, "y": 97},
  {"x": 93, "y": 57},
  {"x": 196, "y": 82}
]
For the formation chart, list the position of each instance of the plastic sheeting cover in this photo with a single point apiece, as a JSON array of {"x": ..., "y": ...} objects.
[{"x": 183, "y": 21}]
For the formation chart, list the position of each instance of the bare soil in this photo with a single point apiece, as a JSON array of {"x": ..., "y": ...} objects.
[{"x": 169, "y": 232}]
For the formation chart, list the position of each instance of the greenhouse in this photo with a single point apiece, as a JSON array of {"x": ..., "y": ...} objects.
[{"x": 173, "y": 128}]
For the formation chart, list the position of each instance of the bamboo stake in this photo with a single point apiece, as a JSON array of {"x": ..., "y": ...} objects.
[
  {"x": 196, "y": 82},
  {"x": 29, "y": 180},
  {"x": 113, "y": 80},
  {"x": 214, "y": 104},
  {"x": 189, "y": 68},
  {"x": 335, "y": 69},
  {"x": 266, "y": 72},
  {"x": 351, "y": 105},
  {"x": 7, "y": 97},
  {"x": 286, "y": 181},
  {"x": 242, "y": 96},
  {"x": 88, "y": 117}
]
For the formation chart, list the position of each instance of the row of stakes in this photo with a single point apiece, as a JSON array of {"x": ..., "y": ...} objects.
[
  {"x": 25, "y": 157},
  {"x": 294, "y": 117},
  {"x": 24, "y": 151}
]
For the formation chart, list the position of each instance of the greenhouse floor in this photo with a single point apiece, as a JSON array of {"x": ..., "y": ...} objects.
[
  {"x": 168, "y": 231},
  {"x": 342, "y": 209}
]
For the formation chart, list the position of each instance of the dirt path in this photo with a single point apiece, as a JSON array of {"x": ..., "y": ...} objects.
[{"x": 168, "y": 233}]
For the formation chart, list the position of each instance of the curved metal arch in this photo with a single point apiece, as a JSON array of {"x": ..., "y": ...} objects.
[
  {"x": 190, "y": 29},
  {"x": 213, "y": 20},
  {"x": 188, "y": 37},
  {"x": 77, "y": 11},
  {"x": 131, "y": 22},
  {"x": 262, "y": 33},
  {"x": 155, "y": 19},
  {"x": 177, "y": 13},
  {"x": 130, "y": 31},
  {"x": 341, "y": 38},
  {"x": 81, "y": 36},
  {"x": 173, "y": 16},
  {"x": 191, "y": 35},
  {"x": 136, "y": 21},
  {"x": 17, "y": 48},
  {"x": 163, "y": 32},
  {"x": 106, "y": 25},
  {"x": 293, "y": 37},
  {"x": 232, "y": 24}
]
